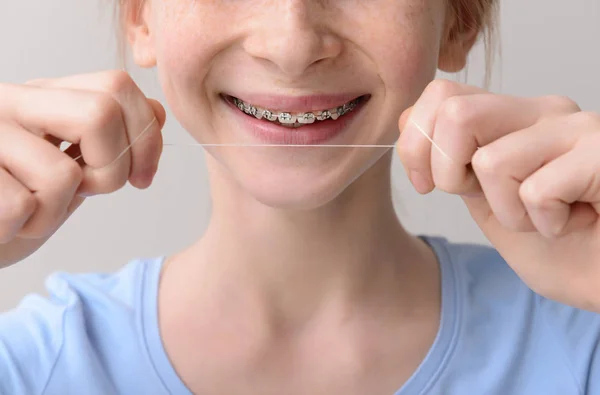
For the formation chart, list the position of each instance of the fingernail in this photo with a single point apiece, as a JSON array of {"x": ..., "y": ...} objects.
[{"x": 419, "y": 180}]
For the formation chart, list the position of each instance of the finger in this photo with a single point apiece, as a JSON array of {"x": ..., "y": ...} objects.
[
  {"x": 466, "y": 123},
  {"x": 49, "y": 174},
  {"x": 504, "y": 165},
  {"x": 138, "y": 112},
  {"x": 72, "y": 115},
  {"x": 414, "y": 148},
  {"x": 404, "y": 118},
  {"x": 36, "y": 82},
  {"x": 564, "y": 195},
  {"x": 159, "y": 110},
  {"x": 17, "y": 204}
]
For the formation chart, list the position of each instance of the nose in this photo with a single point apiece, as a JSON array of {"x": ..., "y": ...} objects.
[{"x": 292, "y": 35}]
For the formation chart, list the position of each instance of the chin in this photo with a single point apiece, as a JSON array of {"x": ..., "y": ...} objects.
[
  {"x": 296, "y": 189},
  {"x": 297, "y": 179}
]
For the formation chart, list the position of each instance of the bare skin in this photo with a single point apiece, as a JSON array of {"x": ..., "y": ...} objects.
[
  {"x": 305, "y": 282},
  {"x": 333, "y": 320}
]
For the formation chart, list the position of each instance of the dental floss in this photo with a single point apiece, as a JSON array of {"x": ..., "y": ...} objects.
[
  {"x": 266, "y": 145},
  {"x": 280, "y": 145},
  {"x": 128, "y": 147},
  {"x": 420, "y": 129}
]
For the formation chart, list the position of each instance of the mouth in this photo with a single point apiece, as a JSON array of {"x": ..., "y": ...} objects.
[{"x": 297, "y": 121}]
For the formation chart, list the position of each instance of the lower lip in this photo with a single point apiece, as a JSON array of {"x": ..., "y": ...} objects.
[{"x": 319, "y": 132}]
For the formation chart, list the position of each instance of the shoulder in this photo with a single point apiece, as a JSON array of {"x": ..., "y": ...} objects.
[
  {"x": 480, "y": 270},
  {"x": 484, "y": 275},
  {"x": 504, "y": 320},
  {"x": 45, "y": 334}
]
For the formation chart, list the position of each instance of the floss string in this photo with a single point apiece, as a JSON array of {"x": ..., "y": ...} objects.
[
  {"x": 143, "y": 133},
  {"x": 135, "y": 140}
]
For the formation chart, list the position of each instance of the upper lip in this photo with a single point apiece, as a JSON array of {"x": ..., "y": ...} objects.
[{"x": 297, "y": 104}]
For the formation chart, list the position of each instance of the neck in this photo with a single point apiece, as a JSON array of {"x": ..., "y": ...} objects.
[{"x": 297, "y": 261}]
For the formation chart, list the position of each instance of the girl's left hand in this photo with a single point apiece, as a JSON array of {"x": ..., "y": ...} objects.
[{"x": 528, "y": 170}]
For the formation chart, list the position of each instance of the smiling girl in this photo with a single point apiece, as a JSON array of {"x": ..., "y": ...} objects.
[{"x": 305, "y": 282}]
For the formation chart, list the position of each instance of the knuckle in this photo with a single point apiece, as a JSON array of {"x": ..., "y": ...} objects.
[
  {"x": 458, "y": 111},
  {"x": 561, "y": 103},
  {"x": 532, "y": 194},
  {"x": 441, "y": 88},
  {"x": 118, "y": 81},
  {"x": 485, "y": 161},
  {"x": 102, "y": 111}
]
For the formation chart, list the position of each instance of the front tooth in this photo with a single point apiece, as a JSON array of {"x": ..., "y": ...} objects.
[
  {"x": 286, "y": 117},
  {"x": 289, "y": 118},
  {"x": 306, "y": 118}
]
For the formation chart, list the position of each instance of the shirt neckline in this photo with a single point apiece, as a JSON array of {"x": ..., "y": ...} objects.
[
  {"x": 421, "y": 380},
  {"x": 440, "y": 352},
  {"x": 157, "y": 354}
]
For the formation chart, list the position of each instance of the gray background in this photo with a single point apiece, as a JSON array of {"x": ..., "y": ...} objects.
[{"x": 548, "y": 47}]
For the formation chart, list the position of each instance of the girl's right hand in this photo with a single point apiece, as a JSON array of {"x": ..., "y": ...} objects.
[{"x": 40, "y": 185}]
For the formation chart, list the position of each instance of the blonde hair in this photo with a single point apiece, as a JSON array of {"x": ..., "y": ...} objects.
[{"x": 479, "y": 16}]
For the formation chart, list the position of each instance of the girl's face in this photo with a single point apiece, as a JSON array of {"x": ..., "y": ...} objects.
[{"x": 292, "y": 56}]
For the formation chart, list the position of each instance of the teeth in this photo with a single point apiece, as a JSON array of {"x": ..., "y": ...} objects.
[
  {"x": 306, "y": 118},
  {"x": 287, "y": 118},
  {"x": 295, "y": 120},
  {"x": 323, "y": 115},
  {"x": 270, "y": 116}
]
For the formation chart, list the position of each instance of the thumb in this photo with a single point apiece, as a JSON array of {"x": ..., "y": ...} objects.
[
  {"x": 404, "y": 118},
  {"x": 159, "y": 111}
]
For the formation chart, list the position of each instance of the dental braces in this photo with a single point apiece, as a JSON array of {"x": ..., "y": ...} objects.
[
  {"x": 154, "y": 120},
  {"x": 302, "y": 118}
]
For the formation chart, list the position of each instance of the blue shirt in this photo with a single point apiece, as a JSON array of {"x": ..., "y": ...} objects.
[{"x": 97, "y": 334}]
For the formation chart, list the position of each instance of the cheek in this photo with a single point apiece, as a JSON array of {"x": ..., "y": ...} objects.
[
  {"x": 187, "y": 40},
  {"x": 190, "y": 33},
  {"x": 409, "y": 67},
  {"x": 407, "y": 48},
  {"x": 181, "y": 44}
]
